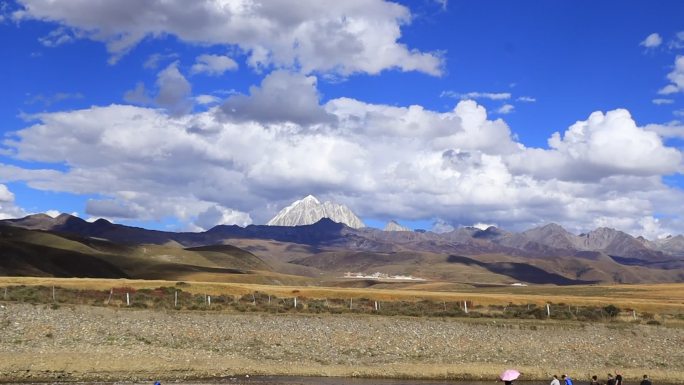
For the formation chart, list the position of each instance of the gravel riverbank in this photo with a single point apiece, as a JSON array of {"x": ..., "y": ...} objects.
[{"x": 81, "y": 343}]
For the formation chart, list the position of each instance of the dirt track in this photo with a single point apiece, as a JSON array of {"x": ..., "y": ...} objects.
[{"x": 38, "y": 343}]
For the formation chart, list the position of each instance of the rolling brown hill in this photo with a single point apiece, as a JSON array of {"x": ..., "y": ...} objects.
[{"x": 69, "y": 246}]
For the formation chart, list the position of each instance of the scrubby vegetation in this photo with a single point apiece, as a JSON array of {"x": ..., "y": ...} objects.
[{"x": 174, "y": 297}]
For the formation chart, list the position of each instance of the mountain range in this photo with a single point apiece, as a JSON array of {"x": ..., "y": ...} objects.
[{"x": 321, "y": 252}]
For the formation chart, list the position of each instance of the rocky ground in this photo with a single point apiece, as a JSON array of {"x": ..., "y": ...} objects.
[{"x": 79, "y": 343}]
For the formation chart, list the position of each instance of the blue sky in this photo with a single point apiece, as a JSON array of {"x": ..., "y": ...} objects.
[{"x": 114, "y": 109}]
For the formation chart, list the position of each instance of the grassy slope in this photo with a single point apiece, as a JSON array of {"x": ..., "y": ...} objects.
[{"x": 37, "y": 253}]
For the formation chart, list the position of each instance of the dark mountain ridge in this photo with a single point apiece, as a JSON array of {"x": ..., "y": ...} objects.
[
  {"x": 546, "y": 254},
  {"x": 545, "y": 241}
]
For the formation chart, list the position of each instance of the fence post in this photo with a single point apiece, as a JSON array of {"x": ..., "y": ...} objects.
[
  {"x": 128, "y": 300},
  {"x": 351, "y": 303},
  {"x": 5, "y": 293},
  {"x": 295, "y": 302},
  {"x": 253, "y": 299},
  {"x": 54, "y": 298},
  {"x": 111, "y": 292},
  {"x": 548, "y": 310},
  {"x": 175, "y": 298},
  {"x": 634, "y": 314},
  {"x": 269, "y": 299},
  {"x": 209, "y": 300},
  {"x": 465, "y": 306}
]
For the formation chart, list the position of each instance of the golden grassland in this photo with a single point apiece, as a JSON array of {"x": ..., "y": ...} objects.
[{"x": 659, "y": 298}]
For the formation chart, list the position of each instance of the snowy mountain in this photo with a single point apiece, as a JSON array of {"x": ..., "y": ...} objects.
[
  {"x": 394, "y": 226},
  {"x": 310, "y": 210}
]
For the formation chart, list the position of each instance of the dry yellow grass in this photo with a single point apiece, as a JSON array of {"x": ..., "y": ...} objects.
[{"x": 645, "y": 298}]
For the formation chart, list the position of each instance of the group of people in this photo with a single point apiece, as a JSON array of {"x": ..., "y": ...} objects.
[{"x": 612, "y": 380}]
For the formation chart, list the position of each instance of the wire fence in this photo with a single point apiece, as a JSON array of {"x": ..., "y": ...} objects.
[{"x": 175, "y": 298}]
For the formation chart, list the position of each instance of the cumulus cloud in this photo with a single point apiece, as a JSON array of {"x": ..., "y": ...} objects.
[
  {"x": 213, "y": 65},
  {"x": 676, "y": 77},
  {"x": 138, "y": 95},
  {"x": 217, "y": 215},
  {"x": 8, "y": 208},
  {"x": 283, "y": 96},
  {"x": 603, "y": 145},
  {"x": 344, "y": 37},
  {"x": 174, "y": 91},
  {"x": 652, "y": 41},
  {"x": 458, "y": 166}
]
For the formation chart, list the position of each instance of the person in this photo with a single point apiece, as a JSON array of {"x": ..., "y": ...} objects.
[
  {"x": 555, "y": 380},
  {"x": 567, "y": 379},
  {"x": 611, "y": 380},
  {"x": 594, "y": 380},
  {"x": 646, "y": 380},
  {"x": 618, "y": 378}
]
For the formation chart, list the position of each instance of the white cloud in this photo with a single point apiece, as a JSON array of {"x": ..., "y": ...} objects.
[
  {"x": 652, "y": 41},
  {"x": 440, "y": 227},
  {"x": 409, "y": 162},
  {"x": 49, "y": 100},
  {"x": 217, "y": 215},
  {"x": 5, "y": 194},
  {"x": 138, "y": 95},
  {"x": 674, "y": 129},
  {"x": 660, "y": 102},
  {"x": 282, "y": 97},
  {"x": 174, "y": 91},
  {"x": 213, "y": 65},
  {"x": 477, "y": 95},
  {"x": 57, "y": 37},
  {"x": 8, "y": 208},
  {"x": 152, "y": 62},
  {"x": 677, "y": 42},
  {"x": 505, "y": 109},
  {"x": 344, "y": 37},
  {"x": 483, "y": 226},
  {"x": 676, "y": 77},
  {"x": 205, "y": 99},
  {"x": 52, "y": 213},
  {"x": 603, "y": 145},
  {"x": 526, "y": 99},
  {"x": 113, "y": 208},
  {"x": 678, "y": 112}
]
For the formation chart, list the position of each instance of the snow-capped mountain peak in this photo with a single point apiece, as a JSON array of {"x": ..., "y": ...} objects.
[
  {"x": 394, "y": 226},
  {"x": 310, "y": 210}
]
